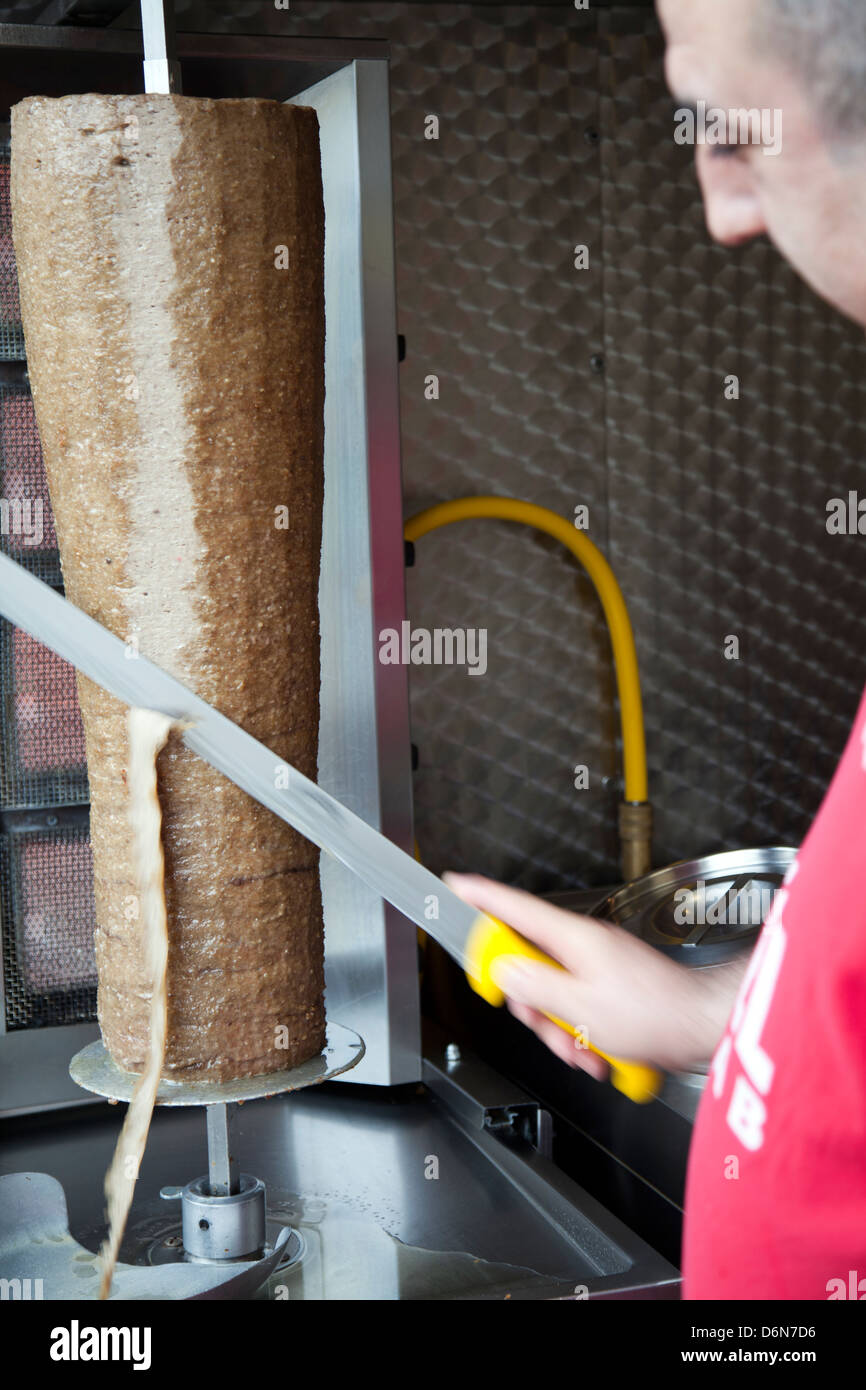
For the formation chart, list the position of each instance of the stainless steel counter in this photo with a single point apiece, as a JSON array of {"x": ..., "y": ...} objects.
[{"x": 440, "y": 1191}]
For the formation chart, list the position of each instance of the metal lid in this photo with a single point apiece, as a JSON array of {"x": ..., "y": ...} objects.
[{"x": 701, "y": 911}]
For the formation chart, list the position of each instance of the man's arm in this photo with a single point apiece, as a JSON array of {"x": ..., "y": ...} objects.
[
  {"x": 630, "y": 1000},
  {"x": 717, "y": 988}
]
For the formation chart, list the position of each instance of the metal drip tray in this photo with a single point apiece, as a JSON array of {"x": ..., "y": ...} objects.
[
  {"x": 701, "y": 911},
  {"x": 442, "y": 1191}
]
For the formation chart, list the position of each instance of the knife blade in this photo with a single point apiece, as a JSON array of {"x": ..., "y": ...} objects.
[{"x": 475, "y": 940}]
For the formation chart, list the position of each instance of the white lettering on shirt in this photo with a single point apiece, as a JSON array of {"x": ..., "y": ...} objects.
[
  {"x": 747, "y": 1111},
  {"x": 747, "y": 1114}
]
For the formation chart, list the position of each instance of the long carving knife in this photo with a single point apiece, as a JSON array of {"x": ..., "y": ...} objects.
[
  {"x": 472, "y": 938},
  {"x": 161, "y": 68}
]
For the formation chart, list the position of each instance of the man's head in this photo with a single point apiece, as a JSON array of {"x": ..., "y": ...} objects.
[{"x": 807, "y": 60}]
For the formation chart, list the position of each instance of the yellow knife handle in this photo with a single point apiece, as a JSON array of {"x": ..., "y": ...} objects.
[{"x": 489, "y": 940}]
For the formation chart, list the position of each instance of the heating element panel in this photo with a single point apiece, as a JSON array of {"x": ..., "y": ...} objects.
[
  {"x": 11, "y": 335},
  {"x": 47, "y": 924}
]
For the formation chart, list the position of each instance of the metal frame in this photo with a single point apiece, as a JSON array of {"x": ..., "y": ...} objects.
[
  {"x": 364, "y": 744},
  {"x": 493, "y": 1114},
  {"x": 237, "y": 47}
]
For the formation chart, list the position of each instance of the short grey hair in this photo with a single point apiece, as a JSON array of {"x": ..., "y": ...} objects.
[{"x": 824, "y": 42}]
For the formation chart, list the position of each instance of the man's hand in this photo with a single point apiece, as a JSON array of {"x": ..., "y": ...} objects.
[{"x": 631, "y": 1001}]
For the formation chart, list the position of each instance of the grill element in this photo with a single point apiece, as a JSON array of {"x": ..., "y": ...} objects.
[{"x": 47, "y": 920}]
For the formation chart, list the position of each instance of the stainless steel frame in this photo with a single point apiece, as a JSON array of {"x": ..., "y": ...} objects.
[{"x": 364, "y": 745}]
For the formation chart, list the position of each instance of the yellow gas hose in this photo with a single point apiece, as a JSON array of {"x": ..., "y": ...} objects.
[{"x": 635, "y": 813}]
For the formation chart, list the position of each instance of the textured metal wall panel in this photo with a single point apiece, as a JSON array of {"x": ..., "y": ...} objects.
[
  {"x": 490, "y": 301},
  {"x": 718, "y": 507}
]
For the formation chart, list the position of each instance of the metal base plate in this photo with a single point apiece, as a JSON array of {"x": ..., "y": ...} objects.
[{"x": 93, "y": 1069}]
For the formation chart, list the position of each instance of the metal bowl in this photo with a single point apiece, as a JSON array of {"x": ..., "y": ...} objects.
[{"x": 701, "y": 911}]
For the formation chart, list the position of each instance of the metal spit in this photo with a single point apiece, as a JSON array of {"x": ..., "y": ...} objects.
[{"x": 224, "y": 1213}]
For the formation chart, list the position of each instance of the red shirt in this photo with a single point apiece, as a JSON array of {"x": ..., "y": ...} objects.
[{"x": 776, "y": 1191}]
